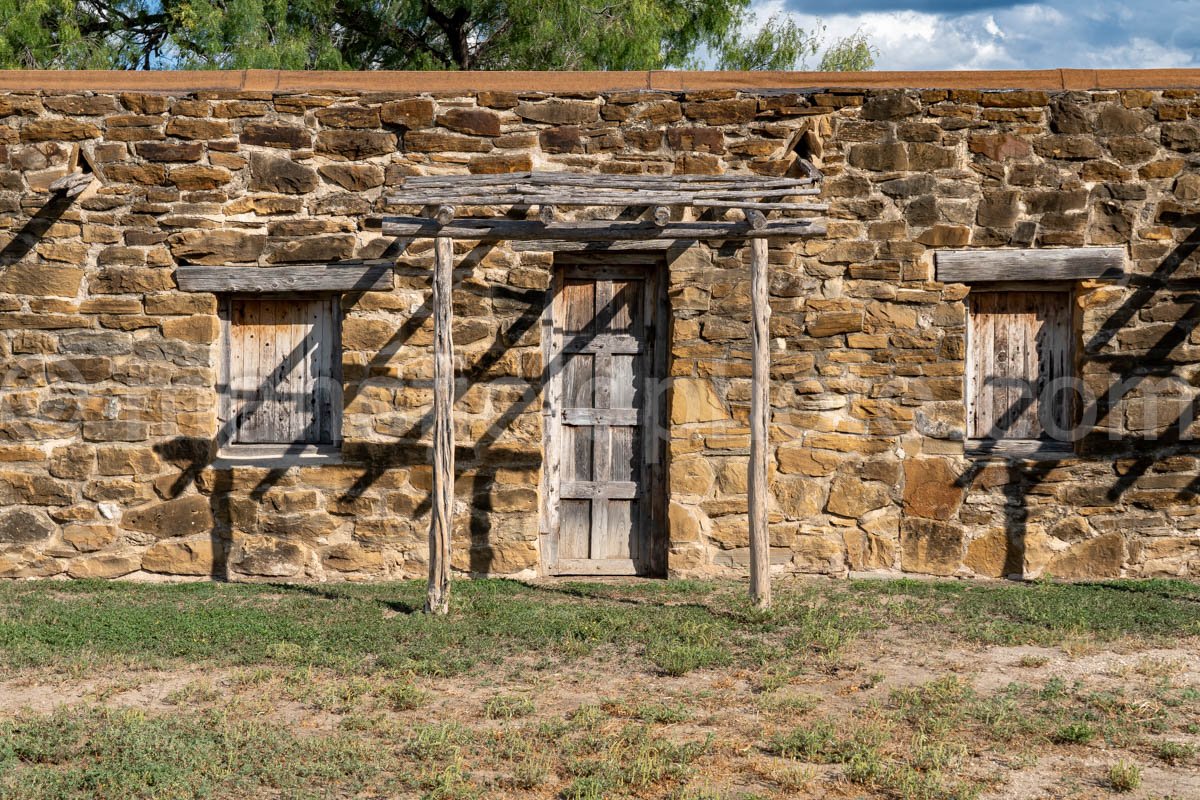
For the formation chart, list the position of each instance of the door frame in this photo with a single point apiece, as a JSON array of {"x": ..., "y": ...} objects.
[{"x": 652, "y": 268}]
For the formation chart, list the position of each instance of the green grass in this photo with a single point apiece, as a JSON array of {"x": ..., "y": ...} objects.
[
  {"x": 678, "y": 626},
  {"x": 1174, "y": 753},
  {"x": 125, "y": 754},
  {"x": 1124, "y": 776},
  {"x": 366, "y": 629},
  {"x": 508, "y": 706},
  {"x": 1043, "y": 613}
]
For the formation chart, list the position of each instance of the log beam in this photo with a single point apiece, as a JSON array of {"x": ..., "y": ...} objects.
[
  {"x": 760, "y": 420},
  {"x": 603, "y": 199},
  {"x": 441, "y": 520},
  {"x": 497, "y": 228},
  {"x": 72, "y": 185}
]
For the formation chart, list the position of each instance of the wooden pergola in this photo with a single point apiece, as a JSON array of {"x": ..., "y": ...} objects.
[{"x": 658, "y": 212}]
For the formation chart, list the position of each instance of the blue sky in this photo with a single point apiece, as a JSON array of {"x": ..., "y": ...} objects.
[{"x": 989, "y": 34}]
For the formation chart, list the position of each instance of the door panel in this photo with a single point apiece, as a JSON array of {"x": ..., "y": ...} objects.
[{"x": 602, "y": 342}]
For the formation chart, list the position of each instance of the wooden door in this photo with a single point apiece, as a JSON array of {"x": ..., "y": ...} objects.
[
  {"x": 1018, "y": 358},
  {"x": 601, "y": 412}
]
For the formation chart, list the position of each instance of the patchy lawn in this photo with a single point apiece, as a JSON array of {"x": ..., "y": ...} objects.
[{"x": 860, "y": 689}]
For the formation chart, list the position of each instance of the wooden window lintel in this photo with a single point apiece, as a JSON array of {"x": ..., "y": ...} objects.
[{"x": 1049, "y": 264}]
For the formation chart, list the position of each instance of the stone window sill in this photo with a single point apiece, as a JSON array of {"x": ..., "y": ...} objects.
[
  {"x": 276, "y": 456},
  {"x": 1019, "y": 449}
]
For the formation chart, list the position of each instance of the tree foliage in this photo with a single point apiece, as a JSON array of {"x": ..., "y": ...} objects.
[
  {"x": 851, "y": 54},
  {"x": 779, "y": 44},
  {"x": 782, "y": 44},
  {"x": 395, "y": 34}
]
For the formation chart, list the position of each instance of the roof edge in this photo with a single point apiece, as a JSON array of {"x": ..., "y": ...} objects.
[{"x": 664, "y": 80}]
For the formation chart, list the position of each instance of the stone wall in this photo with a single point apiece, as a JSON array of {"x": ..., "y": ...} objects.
[{"x": 108, "y": 400}]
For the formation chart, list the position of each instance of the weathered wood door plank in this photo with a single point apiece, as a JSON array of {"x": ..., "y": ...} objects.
[
  {"x": 1020, "y": 349},
  {"x": 603, "y": 347}
]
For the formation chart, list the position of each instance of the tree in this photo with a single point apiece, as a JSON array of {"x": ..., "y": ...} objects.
[
  {"x": 852, "y": 54},
  {"x": 392, "y": 34},
  {"x": 782, "y": 44}
]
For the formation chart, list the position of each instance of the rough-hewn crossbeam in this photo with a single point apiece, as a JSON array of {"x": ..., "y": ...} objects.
[
  {"x": 597, "y": 230},
  {"x": 593, "y": 180},
  {"x": 603, "y": 200},
  {"x": 375, "y": 276},
  {"x": 572, "y": 189},
  {"x": 1059, "y": 263},
  {"x": 553, "y": 245}
]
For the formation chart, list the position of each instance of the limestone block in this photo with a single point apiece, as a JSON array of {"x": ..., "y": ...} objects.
[
  {"x": 348, "y": 117},
  {"x": 477, "y": 121},
  {"x": 850, "y": 496},
  {"x": 1101, "y": 557},
  {"x": 684, "y": 522},
  {"x": 930, "y": 547},
  {"x": 559, "y": 112},
  {"x": 695, "y": 400},
  {"x": 820, "y": 554},
  {"x": 355, "y": 145},
  {"x": 691, "y": 476},
  {"x": 199, "y": 556},
  {"x": 269, "y": 557},
  {"x": 990, "y": 555},
  {"x": 89, "y": 538},
  {"x": 931, "y": 488},
  {"x": 411, "y": 113},
  {"x": 25, "y": 526},
  {"x": 182, "y": 516},
  {"x": 41, "y": 280},
  {"x": 215, "y": 247},
  {"x": 351, "y": 557},
  {"x": 275, "y": 174},
  {"x": 103, "y": 566},
  {"x": 285, "y": 137},
  {"x": 869, "y": 551},
  {"x": 798, "y": 498}
]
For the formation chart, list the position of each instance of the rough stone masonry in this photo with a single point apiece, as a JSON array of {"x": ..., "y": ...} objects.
[{"x": 108, "y": 405}]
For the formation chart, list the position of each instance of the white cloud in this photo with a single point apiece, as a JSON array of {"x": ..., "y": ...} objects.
[{"x": 1104, "y": 34}]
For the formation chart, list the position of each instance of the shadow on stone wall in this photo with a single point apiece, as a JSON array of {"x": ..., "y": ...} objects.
[
  {"x": 1130, "y": 457},
  {"x": 479, "y": 459},
  {"x": 33, "y": 230}
]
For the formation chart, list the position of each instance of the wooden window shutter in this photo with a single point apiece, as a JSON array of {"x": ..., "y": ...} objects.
[
  {"x": 282, "y": 361},
  {"x": 1019, "y": 356}
]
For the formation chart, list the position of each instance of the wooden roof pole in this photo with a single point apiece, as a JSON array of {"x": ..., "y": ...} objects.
[
  {"x": 760, "y": 420},
  {"x": 497, "y": 228},
  {"x": 441, "y": 520}
]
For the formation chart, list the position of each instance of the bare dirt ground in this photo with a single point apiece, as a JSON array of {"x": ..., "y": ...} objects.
[{"x": 731, "y": 708}]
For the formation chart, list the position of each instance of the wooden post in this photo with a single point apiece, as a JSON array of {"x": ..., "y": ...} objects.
[
  {"x": 760, "y": 417},
  {"x": 441, "y": 521}
]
